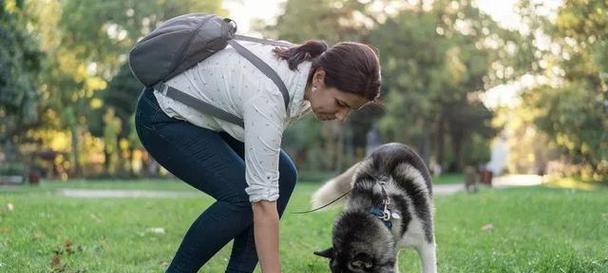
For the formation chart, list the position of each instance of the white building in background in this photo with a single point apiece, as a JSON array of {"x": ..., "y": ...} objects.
[{"x": 499, "y": 154}]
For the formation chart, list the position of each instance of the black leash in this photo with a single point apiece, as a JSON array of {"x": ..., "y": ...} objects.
[
  {"x": 335, "y": 200},
  {"x": 340, "y": 197}
]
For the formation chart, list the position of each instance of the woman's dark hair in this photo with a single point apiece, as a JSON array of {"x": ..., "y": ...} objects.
[{"x": 349, "y": 66}]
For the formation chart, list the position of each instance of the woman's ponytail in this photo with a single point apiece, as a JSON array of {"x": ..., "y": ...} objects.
[{"x": 304, "y": 52}]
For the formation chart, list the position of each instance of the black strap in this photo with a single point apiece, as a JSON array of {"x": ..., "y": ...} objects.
[
  {"x": 197, "y": 104},
  {"x": 265, "y": 68},
  {"x": 261, "y": 41},
  {"x": 335, "y": 200}
]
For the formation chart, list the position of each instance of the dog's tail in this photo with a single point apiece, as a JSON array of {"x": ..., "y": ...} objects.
[{"x": 334, "y": 188}]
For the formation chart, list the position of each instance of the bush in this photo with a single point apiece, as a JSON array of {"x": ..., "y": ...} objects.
[{"x": 12, "y": 168}]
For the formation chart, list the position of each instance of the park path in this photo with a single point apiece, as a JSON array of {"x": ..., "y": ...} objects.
[
  {"x": 498, "y": 182},
  {"x": 506, "y": 181},
  {"x": 106, "y": 193}
]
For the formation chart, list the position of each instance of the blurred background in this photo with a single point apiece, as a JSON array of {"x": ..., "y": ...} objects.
[{"x": 507, "y": 87}]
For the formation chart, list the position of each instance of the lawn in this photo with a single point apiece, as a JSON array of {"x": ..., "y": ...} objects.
[
  {"x": 449, "y": 178},
  {"x": 514, "y": 230}
]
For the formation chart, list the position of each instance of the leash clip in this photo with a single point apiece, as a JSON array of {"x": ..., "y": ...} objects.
[{"x": 386, "y": 215}]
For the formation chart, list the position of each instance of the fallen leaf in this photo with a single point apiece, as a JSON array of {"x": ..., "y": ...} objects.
[
  {"x": 56, "y": 261},
  {"x": 487, "y": 227},
  {"x": 68, "y": 246}
]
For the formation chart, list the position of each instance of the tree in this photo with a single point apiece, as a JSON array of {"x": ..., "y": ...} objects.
[
  {"x": 329, "y": 20},
  {"x": 435, "y": 55},
  {"x": 87, "y": 43},
  {"x": 19, "y": 67},
  {"x": 119, "y": 97},
  {"x": 436, "y": 61},
  {"x": 573, "y": 108}
]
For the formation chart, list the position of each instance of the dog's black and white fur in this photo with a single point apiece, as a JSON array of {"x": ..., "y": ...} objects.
[{"x": 389, "y": 207}]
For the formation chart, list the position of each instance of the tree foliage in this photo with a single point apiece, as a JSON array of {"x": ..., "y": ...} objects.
[
  {"x": 436, "y": 56},
  {"x": 573, "y": 108},
  {"x": 86, "y": 44},
  {"x": 19, "y": 67},
  {"x": 436, "y": 61}
]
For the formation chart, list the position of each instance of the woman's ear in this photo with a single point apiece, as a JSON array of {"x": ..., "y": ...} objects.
[{"x": 318, "y": 79}]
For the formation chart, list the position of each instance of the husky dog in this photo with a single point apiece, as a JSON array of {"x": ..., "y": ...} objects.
[{"x": 389, "y": 207}]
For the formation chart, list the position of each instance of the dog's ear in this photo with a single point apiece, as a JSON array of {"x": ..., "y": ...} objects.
[
  {"x": 362, "y": 262},
  {"x": 328, "y": 253}
]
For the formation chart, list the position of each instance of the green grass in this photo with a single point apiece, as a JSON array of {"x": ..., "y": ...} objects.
[
  {"x": 144, "y": 184},
  {"x": 448, "y": 178},
  {"x": 526, "y": 230},
  {"x": 533, "y": 230}
]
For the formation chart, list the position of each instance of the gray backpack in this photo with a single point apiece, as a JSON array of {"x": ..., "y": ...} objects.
[{"x": 180, "y": 43}]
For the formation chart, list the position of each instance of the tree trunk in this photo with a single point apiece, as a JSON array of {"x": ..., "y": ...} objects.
[
  {"x": 339, "y": 148},
  {"x": 425, "y": 145},
  {"x": 9, "y": 150},
  {"x": 457, "y": 144},
  {"x": 77, "y": 170},
  {"x": 106, "y": 161},
  {"x": 440, "y": 143},
  {"x": 130, "y": 162}
]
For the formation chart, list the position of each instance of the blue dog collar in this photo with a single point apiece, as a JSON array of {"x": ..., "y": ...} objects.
[{"x": 379, "y": 213}]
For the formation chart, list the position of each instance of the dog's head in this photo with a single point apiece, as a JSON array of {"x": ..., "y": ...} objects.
[{"x": 361, "y": 244}]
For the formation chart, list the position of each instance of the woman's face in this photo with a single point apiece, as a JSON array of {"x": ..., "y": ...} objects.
[{"x": 329, "y": 103}]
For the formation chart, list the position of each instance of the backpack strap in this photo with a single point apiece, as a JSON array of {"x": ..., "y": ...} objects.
[
  {"x": 197, "y": 104},
  {"x": 261, "y": 41},
  {"x": 265, "y": 68}
]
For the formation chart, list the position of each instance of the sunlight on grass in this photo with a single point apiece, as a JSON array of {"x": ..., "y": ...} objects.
[{"x": 571, "y": 183}]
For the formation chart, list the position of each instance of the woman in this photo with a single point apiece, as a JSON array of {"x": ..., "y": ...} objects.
[{"x": 244, "y": 169}]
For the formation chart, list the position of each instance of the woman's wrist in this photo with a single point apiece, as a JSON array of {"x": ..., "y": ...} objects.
[{"x": 266, "y": 234}]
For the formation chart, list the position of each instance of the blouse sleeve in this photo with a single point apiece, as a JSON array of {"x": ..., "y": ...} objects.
[{"x": 264, "y": 117}]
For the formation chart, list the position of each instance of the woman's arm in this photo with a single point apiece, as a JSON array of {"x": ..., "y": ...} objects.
[
  {"x": 264, "y": 116},
  {"x": 266, "y": 234}
]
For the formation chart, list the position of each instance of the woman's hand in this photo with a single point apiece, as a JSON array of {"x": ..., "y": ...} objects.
[{"x": 266, "y": 234}]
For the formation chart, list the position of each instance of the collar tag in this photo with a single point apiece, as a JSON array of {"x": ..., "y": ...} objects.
[{"x": 396, "y": 215}]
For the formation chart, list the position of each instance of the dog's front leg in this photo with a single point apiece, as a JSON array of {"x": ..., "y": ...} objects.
[{"x": 428, "y": 257}]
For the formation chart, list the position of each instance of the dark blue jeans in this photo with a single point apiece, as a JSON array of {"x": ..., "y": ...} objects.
[{"x": 213, "y": 163}]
